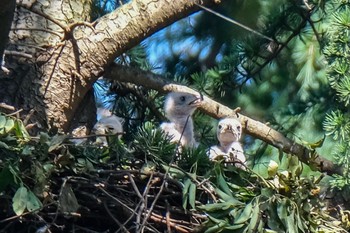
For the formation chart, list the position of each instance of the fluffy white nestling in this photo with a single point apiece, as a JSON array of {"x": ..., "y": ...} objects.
[
  {"x": 179, "y": 107},
  {"x": 229, "y": 131},
  {"x": 107, "y": 124}
]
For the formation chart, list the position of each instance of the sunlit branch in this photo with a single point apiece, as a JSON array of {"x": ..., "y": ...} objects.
[{"x": 210, "y": 107}]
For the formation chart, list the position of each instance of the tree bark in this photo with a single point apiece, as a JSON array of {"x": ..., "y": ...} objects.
[
  {"x": 75, "y": 53},
  {"x": 250, "y": 126},
  {"x": 6, "y": 15},
  {"x": 42, "y": 83}
]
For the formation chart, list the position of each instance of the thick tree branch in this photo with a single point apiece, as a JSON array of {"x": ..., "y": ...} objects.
[
  {"x": 126, "y": 27},
  {"x": 87, "y": 49},
  {"x": 217, "y": 110}
]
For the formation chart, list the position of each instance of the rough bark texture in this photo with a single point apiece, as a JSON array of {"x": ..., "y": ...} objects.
[
  {"x": 252, "y": 127},
  {"x": 71, "y": 54},
  {"x": 6, "y": 15},
  {"x": 43, "y": 83}
]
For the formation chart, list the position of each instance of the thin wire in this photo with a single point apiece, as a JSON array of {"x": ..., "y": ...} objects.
[{"x": 235, "y": 22}]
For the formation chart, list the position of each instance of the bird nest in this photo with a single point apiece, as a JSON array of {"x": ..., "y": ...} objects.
[{"x": 107, "y": 199}]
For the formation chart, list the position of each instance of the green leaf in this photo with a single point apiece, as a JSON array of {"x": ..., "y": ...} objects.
[
  {"x": 235, "y": 212},
  {"x": 291, "y": 224},
  {"x": 33, "y": 202},
  {"x": 221, "y": 206},
  {"x": 67, "y": 201},
  {"x": 267, "y": 192},
  {"x": 21, "y": 131},
  {"x": 273, "y": 221},
  {"x": 27, "y": 150},
  {"x": 301, "y": 223},
  {"x": 223, "y": 195},
  {"x": 19, "y": 200},
  {"x": 215, "y": 220},
  {"x": 2, "y": 124},
  {"x": 185, "y": 193},
  {"x": 245, "y": 214},
  {"x": 218, "y": 227},
  {"x": 4, "y": 145},
  {"x": 282, "y": 210},
  {"x": 192, "y": 195},
  {"x": 10, "y": 123},
  {"x": 44, "y": 138},
  {"x": 48, "y": 167},
  {"x": 255, "y": 218},
  {"x": 174, "y": 172},
  {"x": 235, "y": 227},
  {"x": 223, "y": 185},
  {"x": 56, "y": 141}
]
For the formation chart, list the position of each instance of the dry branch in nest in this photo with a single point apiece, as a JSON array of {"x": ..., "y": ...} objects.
[{"x": 110, "y": 201}]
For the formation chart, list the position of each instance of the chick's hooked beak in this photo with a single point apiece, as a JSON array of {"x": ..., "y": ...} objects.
[
  {"x": 197, "y": 101},
  {"x": 226, "y": 129},
  {"x": 229, "y": 129}
]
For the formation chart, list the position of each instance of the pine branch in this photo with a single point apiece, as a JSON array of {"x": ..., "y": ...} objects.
[{"x": 214, "y": 109}]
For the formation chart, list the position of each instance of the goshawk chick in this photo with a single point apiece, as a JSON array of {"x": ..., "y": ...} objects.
[
  {"x": 107, "y": 125},
  {"x": 179, "y": 107},
  {"x": 229, "y": 131}
]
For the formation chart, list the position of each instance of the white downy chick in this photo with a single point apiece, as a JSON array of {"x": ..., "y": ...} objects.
[
  {"x": 179, "y": 107},
  {"x": 229, "y": 132},
  {"x": 107, "y": 125}
]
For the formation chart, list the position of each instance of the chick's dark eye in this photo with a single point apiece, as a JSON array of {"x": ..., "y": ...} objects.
[
  {"x": 220, "y": 126},
  {"x": 239, "y": 128},
  {"x": 182, "y": 98}
]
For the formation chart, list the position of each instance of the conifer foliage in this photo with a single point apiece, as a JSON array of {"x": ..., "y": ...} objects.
[
  {"x": 284, "y": 63},
  {"x": 337, "y": 121}
]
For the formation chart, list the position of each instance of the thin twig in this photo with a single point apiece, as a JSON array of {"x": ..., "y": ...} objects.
[
  {"x": 99, "y": 186},
  {"x": 48, "y": 17},
  {"x": 7, "y": 107},
  {"x": 167, "y": 215},
  {"x": 280, "y": 48},
  {"x": 165, "y": 176},
  {"x": 135, "y": 187},
  {"x": 15, "y": 113},
  {"x": 183, "y": 223},
  {"x": 28, "y": 116},
  {"x": 143, "y": 202},
  {"x": 24, "y": 214},
  {"x": 161, "y": 219},
  {"x": 19, "y": 54},
  {"x": 121, "y": 226},
  {"x": 235, "y": 22}
]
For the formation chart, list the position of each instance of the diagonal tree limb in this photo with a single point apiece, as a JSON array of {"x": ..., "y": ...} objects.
[
  {"x": 83, "y": 51},
  {"x": 214, "y": 109}
]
